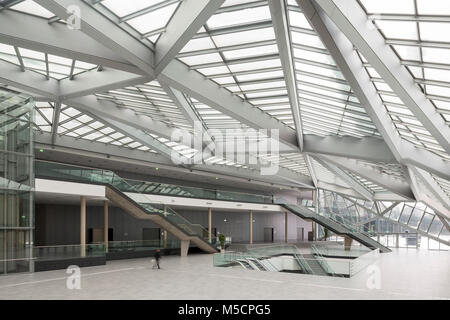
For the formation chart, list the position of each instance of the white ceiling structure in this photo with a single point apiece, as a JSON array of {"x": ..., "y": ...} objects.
[{"x": 358, "y": 89}]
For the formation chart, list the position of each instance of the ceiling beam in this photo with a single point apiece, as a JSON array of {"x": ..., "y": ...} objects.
[
  {"x": 55, "y": 120},
  {"x": 355, "y": 185},
  {"x": 365, "y": 148},
  {"x": 425, "y": 193},
  {"x": 190, "y": 16},
  {"x": 105, "y": 30},
  {"x": 74, "y": 146},
  {"x": 372, "y": 173},
  {"x": 279, "y": 16},
  {"x": 350, "y": 18},
  {"x": 96, "y": 81},
  {"x": 178, "y": 75},
  {"x": 29, "y": 81},
  {"x": 183, "y": 104},
  {"x": 36, "y": 34},
  {"x": 346, "y": 57}
]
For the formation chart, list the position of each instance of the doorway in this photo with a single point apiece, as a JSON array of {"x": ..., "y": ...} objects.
[
  {"x": 301, "y": 234},
  {"x": 268, "y": 234}
]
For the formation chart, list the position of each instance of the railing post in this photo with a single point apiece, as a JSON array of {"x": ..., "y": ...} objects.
[
  {"x": 106, "y": 224},
  {"x": 210, "y": 224},
  {"x": 83, "y": 225}
]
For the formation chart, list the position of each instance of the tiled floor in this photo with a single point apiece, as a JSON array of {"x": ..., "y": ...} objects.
[{"x": 404, "y": 274}]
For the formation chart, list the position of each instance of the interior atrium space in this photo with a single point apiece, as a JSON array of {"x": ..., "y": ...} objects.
[{"x": 224, "y": 150}]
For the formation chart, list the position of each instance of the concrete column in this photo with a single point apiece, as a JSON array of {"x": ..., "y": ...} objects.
[
  {"x": 286, "y": 227},
  {"x": 209, "y": 224},
  {"x": 83, "y": 225},
  {"x": 165, "y": 239},
  {"x": 397, "y": 238},
  {"x": 184, "y": 248},
  {"x": 251, "y": 227},
  {"x": 165, "y": 231},
  {"x": 347, "y": 243},
  {"x": 106, "y": 224}
]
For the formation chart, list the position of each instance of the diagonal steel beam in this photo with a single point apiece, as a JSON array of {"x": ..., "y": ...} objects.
[
  {"x": 431, "y": 185},
  {"x": 396, "y": 185},
  {"x": 350, "y": 18},
  {"x": 355, "y": 185},
  {"x": 106, "y": 31},
  {"x": 36, "y": 34},
  {"x": 95, "y": 81},
  {"x": 190, "y": 16},
  {"x": 365, "y": 148},
  {"x": 136, "y": 134},
  {"x": 281, "y": 26},
  {"x": 347, "y": 59},
  {"x": 177, "y": 75},
  {"x": 55, "y": 120},
  {"x": 183, "y": 104},
  {"x": 425, "y": 193},
  {"x": 29, "y": 81}
]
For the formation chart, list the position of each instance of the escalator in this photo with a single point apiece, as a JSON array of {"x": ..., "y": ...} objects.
[
  {"x": 116, "y": 190},
  {"x": 257, "y": 263},
  {"x": 315, "y": 266},
  {"x": 244, "y": 263},
  {"x": 334, "y": 226}
]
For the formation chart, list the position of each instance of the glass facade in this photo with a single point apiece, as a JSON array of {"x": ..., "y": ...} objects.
[{"x": 16, "y": 182}]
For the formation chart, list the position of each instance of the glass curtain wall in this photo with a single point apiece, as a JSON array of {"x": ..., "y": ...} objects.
[{"x": 16, "y": 182}]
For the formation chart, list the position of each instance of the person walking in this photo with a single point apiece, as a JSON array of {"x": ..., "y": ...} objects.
[{"x": 157, "y": 257}]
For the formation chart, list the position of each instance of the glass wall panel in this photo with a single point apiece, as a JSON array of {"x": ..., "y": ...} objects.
[{"x": 16, "y": 181}]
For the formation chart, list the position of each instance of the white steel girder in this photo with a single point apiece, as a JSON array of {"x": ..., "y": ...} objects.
[
  {"x": 350, "y": 18},
  {"x": 281, "y": 26}
]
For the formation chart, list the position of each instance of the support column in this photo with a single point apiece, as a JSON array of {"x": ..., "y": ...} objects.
[
  {"x": 209, "y": 224},
  {"x": 251, "y": 227},
  {"x": 165, "y": 239},
  {"x": 106, "y": 224},
  {"x": 83, "y": 225},
  {"x": 286, "y": 227},
  {"x": 165, "y": 231},
  {"x": 347, "y": 243},
  {"x": 184, "y": 248},
  {"x": 397, "y": 238}
]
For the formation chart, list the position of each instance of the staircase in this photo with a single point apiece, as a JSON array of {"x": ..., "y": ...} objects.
[
  {"x": 334, "y": 226},
  {"x": 314, "y": 265},
  {"x": 116, "y": 189}
]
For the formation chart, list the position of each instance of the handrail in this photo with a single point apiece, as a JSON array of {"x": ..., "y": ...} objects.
[
  {"x": 321, "y": 260},
  {"x": 107, "y": 177},
  {"x": 196, "y": 192}
]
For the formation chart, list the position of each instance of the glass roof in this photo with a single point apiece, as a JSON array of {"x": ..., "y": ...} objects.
[
  {"x": 148, "y": 99},
  {"x": 237, "y": 49},
  {"x": 419, "y": 32},
  {"x": 48, "y": 65}
]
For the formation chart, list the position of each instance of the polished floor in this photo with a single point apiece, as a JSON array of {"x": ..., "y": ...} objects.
[{"x": 404, "y": 274}]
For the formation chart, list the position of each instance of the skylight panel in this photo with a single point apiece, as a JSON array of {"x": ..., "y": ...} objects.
[
  {"x": 241, "y": 16},
  {"x": 389, "y": 6},
  {"x": 153, "y": 20},
  {"x": 33, "y": 8},
  {"x": 235, "y": 38},
  {"x": 399, "y": 29},
  {"x": 298, "y": 19},
  {"x": 198, "y": 44},
  {"x": 436, "y": 55},
  {"x": 202, "y": 59},
  {"x": 435, "y": 31},
  {"x": 122, "y": 8},
  {"x": 250, "y": 52},
  {"x": 433, "y": 7},
  {"x": 255, "y": 65}
]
